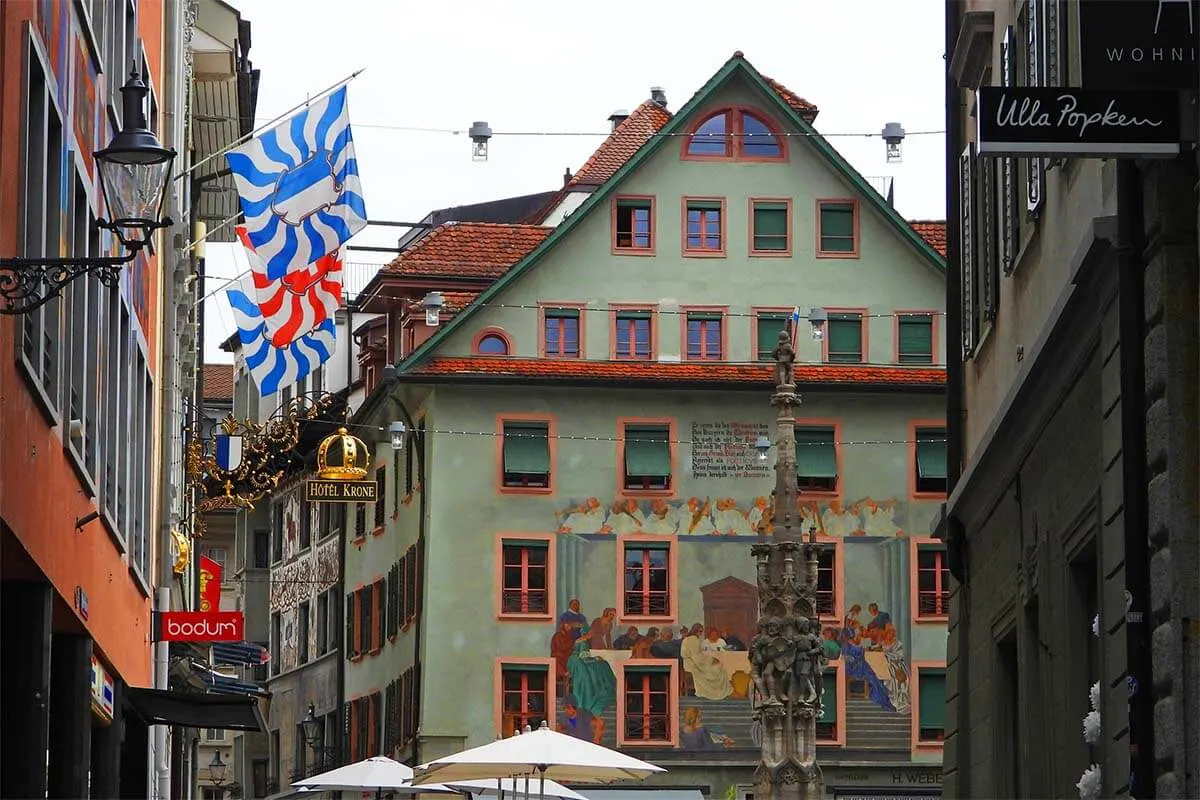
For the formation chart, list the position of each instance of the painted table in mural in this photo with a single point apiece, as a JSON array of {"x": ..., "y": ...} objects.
[{"x": 732, "y": 661}]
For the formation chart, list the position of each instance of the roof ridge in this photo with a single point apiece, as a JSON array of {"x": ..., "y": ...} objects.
[{"x": 624, "y": 129}]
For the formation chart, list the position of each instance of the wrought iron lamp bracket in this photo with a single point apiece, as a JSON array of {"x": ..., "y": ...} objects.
[{"x": 26, "y": 284}]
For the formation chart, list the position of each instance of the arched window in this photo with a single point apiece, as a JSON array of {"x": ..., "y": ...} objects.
[
  {"x": 737, "y": 134},
  {"x": 491, "y": 344}
]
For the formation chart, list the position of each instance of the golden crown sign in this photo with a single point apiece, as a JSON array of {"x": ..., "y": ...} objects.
[{"x": 343, "y": 461}]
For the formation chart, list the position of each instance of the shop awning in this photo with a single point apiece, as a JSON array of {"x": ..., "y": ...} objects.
[
  {"x": 193, "y": 710},
  {"x": 642, "y": 794}
]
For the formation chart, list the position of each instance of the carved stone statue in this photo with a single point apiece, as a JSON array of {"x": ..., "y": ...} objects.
[
  {"x": 785, "y": 359},
  {"x": 808, "y": 662}
]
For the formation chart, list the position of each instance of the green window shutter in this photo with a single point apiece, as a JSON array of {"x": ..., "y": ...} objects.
[
  {"x": 829, "y": 700},
  {"x": 932, "y": 691},
  {"x": 916, "y": 339},
  {"x": 769, "y": 326},
  {"x": 845, "y": 338},
  {"x": 703, "y": 316},
  {"x": 770, "y": 226},
  {"x": 633, "y": 315},
  {"x": 816, "y": 455},
  {"x": 647, "y": 452},
  {"x": 562, "y": 313},
  {"x": 526, "y": 449},
  {"x": 837, "y": 227},
  {"x": 633, "y": 203},
  {"x": 650, "y": 545},
  {"x": 704, "y": 205},
  {"x": 931, "y": 453}
]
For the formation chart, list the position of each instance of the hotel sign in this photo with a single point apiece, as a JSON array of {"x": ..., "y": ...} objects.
[
  {"x": 318, "y": 490},
  {"x": 1023, "y": 121},
  {"x": 1138, "y": 44}
]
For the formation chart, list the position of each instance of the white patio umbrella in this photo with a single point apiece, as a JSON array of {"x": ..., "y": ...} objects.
[
  {"x": 378, "y": 774},
  {"x": 543, "y": 754},
  {"x": 513, "y": 787}
]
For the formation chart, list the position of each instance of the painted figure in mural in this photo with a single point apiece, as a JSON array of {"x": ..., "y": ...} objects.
[
  {"x": 667, "y": 645},
  {"x": 697, "y": 518},
  {"x": 592, "y": 683},
  {"x": 624, "y": 516},
  {"x": 708, "y": 677},
  {"x": 572, "y": 617},
  {"x": 713, "y": 641},
  {"x": 857, "y": 668},
  {"x": 878, "y": 517},
  {"x": 661, "y": 519},
  {"x": 562, "y": 643},
  {"x": 641, "y": 648},
  {"x": 837, "y": 522},
  {"x": 759, "y": 516},
  {"x": 628, "y": 639},
  {"x": 732, "y": 642},
  {"x": 574, "y": 721},
  {"x": 884, "y": 638},
  {"x": 731, "y": 520},
  {"x": 695, "y": 735},
  {"x": 588, "y": 517},
  {"x": 785, "y": 358},
  {"x": 600, "y": 632}
]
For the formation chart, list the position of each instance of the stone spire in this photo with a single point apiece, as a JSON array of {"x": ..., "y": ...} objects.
[{"x": 786, "y": 658}]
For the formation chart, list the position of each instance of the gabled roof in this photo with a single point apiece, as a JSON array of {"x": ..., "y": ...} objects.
[
  {"x": 218, "y": 381},
  {"x": 932, "y": 231},
  {"x": 506, "y": 209},
  {"x": 553, "y": 370},
  {"x": 479, "y": 250},
  {"x": 735, "y": 66},
  {"x": 634, "y": 131}
]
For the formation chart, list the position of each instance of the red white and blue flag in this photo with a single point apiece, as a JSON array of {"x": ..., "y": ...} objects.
[{"x": 306, "y": 296}]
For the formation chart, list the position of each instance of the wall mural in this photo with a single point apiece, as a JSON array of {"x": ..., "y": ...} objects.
[
  {"x": 715, "y": 622},
  {"x": 725, "y": 516},
  {"x": 302, "y": 576}
]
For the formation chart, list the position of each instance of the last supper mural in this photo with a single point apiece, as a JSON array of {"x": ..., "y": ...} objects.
[{"x": 656, "y": 611}]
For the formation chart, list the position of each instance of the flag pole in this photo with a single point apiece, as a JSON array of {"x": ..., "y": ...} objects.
[{"x": 271, "y": 124}]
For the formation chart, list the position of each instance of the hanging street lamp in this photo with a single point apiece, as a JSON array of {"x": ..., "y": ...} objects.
[{"x": 134, "y": 174}]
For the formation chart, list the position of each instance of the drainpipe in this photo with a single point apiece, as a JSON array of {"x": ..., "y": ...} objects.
[
  {"x": 167, "y": 381},
  {"x": 955, "y": 413},
  {"x": 1131, "y": 290}
]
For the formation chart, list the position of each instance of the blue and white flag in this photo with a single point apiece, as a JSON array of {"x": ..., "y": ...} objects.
[
  {"x": 795, "y": 326},
  {"x": 271, "y": 367},
  {"x": 299, "y": 188},
  {"x": 228, "y": 451}
]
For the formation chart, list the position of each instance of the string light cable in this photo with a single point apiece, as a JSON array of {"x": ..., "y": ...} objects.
[{"x": 656, "y": 134}]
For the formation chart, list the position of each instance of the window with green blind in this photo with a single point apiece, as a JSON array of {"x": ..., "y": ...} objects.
[
  {"x": 647, "y": 457},
  {"x": 769, "y": 326},
  {"x": 930, "y": 457},
  {"x": 915, "y": 345},
  {"x": 827, "y": 724},
  {"x": 816, "y": 459},
  {"x": 770, "y": 227},
  {"x": 837, "y": 228},
  {"x": 931, "y": 691},
  {"x": 526, "y": 455},
  {"x": 845, "y": 339}
]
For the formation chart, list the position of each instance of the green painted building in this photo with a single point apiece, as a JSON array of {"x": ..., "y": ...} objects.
[{"x": 566, "y": 535}]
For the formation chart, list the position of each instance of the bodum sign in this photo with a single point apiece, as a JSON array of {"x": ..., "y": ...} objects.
[{"x": 199, "y": 626}]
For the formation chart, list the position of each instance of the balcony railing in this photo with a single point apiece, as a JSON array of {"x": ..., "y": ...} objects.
[{"x": 316, "y": 764}]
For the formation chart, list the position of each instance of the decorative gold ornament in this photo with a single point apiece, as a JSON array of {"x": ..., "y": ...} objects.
[
  {"x": 183, "y": 551},
  {"x": 268, "y": 449},
  {"x": 343, "y": 457}
]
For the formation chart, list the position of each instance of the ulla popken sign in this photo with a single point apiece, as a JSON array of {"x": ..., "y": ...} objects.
[
  {"x": 199, "y": 626},
  {"x": 1077, "y": 122}
]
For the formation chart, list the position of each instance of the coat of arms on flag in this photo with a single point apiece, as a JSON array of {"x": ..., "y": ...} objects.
[{"x": 299, "y": 187}]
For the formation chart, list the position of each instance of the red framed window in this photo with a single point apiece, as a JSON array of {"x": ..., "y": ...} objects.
[
  {"x": 647, "y": 586},
  {"x": 704, "y": 337},
  {"x": 734, "y": 134},
  {"x": 634, "y": 225},
  {"x": 933, "y": 582},
  {"x": 526, "y": 455},
  {"x": 816, "y": 459},
  {"x": 647, "y": 705},
  {"x": 827, "y": 581},
  {"x": 648, "y": 457},
  {"x": 633, "y": 334},
  {"x": 524, "y": 698},
  {"x": 705, "y": 232},
  {"x": 561, "y": 333},
  {"x": 525, "y": 574}
]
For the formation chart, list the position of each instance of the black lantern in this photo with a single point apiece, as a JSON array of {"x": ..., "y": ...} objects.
[
  {"x": 216, "y": 769},
  {"x": 311, "y": 727},
  {"x": 134, "y": 174}
]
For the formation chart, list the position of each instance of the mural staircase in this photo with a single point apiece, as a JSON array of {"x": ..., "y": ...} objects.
[
  {"x": 724, "y": 717},
  {"x": 870, "y": 727}
]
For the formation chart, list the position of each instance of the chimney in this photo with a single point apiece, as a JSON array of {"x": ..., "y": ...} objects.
[
  {"x": 567, "y": 176},
  {"x": 617, "y": 117},
  {"x": 658, "y": 95}
]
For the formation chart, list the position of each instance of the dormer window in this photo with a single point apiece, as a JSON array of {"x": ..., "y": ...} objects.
[
  {"x": 491, "y": 342},
  {"x": 734, "y": 134}
]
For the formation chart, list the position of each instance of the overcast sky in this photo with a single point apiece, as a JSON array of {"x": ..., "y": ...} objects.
[{"x": 562, "y": 66}]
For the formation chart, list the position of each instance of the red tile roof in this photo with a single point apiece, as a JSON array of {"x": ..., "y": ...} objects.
[
  {"x": 634, "y": 131},
  {"x": 806, "y": 110},
  {"x": 932, "y": 231},
  {"x": 218, "y": 381},
  {"x": 482, "y": 250},
  {"x": 682, "y": 372}
]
